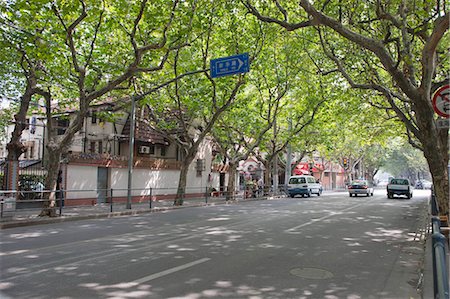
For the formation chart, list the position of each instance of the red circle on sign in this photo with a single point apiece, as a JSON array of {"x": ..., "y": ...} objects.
[{"x": 441, "y": 101}]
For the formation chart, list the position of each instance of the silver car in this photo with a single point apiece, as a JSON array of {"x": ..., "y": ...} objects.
[{"x": 357, "y": 187}]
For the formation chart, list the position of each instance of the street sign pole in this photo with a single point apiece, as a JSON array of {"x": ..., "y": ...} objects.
[{"x": 443, "y": 123}]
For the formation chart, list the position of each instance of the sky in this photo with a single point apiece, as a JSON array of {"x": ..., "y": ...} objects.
[{"x": 4, "y": 103}]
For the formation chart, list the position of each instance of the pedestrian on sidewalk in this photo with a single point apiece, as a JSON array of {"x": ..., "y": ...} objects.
[{"x": 261, "y": 186}]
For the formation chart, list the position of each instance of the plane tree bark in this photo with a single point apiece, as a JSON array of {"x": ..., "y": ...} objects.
[
  {"x": 393, "y": 50},
  {"x": 15, "y": 147}
]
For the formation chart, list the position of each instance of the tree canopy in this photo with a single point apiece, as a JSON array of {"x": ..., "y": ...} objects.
[
  {"x": 305, "y": 58},
  {"x": 396, "y": 49}
]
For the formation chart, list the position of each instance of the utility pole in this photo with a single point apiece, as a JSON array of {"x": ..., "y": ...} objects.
[
  {"x": 131, "y": 151},
  {"x": 275, "y": 162},
  {"x": 288, "y": 158}
]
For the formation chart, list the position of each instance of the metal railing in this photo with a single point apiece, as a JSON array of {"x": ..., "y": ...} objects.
[
  {"x": 71, "y": 202},
  {"x": 439, "y": 254}
]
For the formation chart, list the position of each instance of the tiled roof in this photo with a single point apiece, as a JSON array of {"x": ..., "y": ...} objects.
[{"x": 144, "y": 133}]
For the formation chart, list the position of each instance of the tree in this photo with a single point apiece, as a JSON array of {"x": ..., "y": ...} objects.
[
  {"x": 76, "y": 53},
  {"x": 355, "y": 134},
  {"x": 6, "y": 115},
  {"x": 237, "y": 135},
  {"x": 186, "y": 111},
  {"x": 395, "y": 49},
  {"x": 404, "y": 161}
]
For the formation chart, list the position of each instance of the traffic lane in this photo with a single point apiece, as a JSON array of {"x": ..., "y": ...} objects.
[
  {"x": 269, "y": 264},
  {"x": 66, "y": 232},
  {"x": 379, "y": 259},
  {"x": 109, "y": 258},
  {"x": 56, "y": 234},
  {"x": 272, "y": 257},
  {"x": 379, "y": 247},
  {"x": 265, "y": 213},
  {"x": 87, "y": 240}
]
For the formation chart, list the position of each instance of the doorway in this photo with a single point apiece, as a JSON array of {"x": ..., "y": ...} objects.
[{"x": 222, "y": 182}]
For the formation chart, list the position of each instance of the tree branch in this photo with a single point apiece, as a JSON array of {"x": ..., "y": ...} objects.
[
  {"x": 288, "y": 26},
  {"x": 441, "y": 25}
]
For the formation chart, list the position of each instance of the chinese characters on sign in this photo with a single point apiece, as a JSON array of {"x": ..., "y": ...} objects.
[{"x": 229, "y": 65}]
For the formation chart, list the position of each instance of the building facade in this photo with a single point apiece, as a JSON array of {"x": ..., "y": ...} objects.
[{"x": 98, "y": 158}]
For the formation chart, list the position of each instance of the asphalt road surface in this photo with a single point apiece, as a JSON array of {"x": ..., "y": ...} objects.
[{"x": 331, "y": 246}]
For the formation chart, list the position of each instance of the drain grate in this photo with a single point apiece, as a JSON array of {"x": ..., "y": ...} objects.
[{"x": 311, "y": 273}]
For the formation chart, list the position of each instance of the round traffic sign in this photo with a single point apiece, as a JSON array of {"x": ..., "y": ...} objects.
[{"x": 441, "y": 101}]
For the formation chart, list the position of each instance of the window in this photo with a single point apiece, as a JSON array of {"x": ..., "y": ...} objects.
[
  {"x": 92, "y": 147},
  {"x": 200, "y": 166},
  {"x": 100, "y": 147},
  {"x": 33, "y": 125},
  {"x": 62, "y": 125},
  {"x": 180, "y": 154},
  {"x": 94, "y": 117},
  {"x": 163, "y": 151}
]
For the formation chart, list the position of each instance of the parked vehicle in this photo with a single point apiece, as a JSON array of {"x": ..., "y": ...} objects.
[
  {"x": 427, "y": 184},
  {"x": 399, "y": 187},
  {"x": 303, "y": 185},
  {"x": 418, "y": 185},
  {"x": 357, "y": 187}
]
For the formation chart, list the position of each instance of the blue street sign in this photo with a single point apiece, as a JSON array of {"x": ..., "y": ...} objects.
[{"x": 229, "y": 65}]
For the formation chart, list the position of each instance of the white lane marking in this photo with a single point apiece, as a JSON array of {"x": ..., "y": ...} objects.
[
  {"x": 292, "y": 229},
  {"x": 170, "y": 271}
]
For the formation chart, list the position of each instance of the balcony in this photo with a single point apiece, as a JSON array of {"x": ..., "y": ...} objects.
[{"x": 108, "y": 160}]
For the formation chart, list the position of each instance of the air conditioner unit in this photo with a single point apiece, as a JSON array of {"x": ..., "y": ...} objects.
[{"x": 144, "y": 149}]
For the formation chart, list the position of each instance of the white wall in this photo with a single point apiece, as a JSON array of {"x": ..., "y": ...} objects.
[
  {"x": 83, "y": 178},
  {"x": 30, "y": 140},
  {"x": 162, "y": 181}
]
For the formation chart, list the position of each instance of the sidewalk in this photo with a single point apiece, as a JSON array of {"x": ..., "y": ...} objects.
[{"x": 28, "y": 217}]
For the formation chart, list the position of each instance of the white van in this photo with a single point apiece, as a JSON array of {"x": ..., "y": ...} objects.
[{"x": 303, "y": 185}]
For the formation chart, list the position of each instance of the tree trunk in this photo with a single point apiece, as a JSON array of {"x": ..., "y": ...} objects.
[
  {"x": 231, "y": 181},
  {"x": 181, "y": 191},
  {"x": 267, "y": 174},
  {"x": 439, "y": 174},
  {"x": 53, "y": 166},
  {"x": 15, "y": 147},
  {"x": 435, "y": 149}
]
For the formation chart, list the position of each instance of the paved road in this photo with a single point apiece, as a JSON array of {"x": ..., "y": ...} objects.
[{"x": 331, "y": 246}]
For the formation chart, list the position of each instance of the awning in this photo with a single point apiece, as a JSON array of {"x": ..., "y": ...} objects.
[
  {"x": 303, "y": 168},
  {"x": 28, "y": 163},
  {"x": 222, "y": 168},
  {"x": 22, "y": 163}
]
